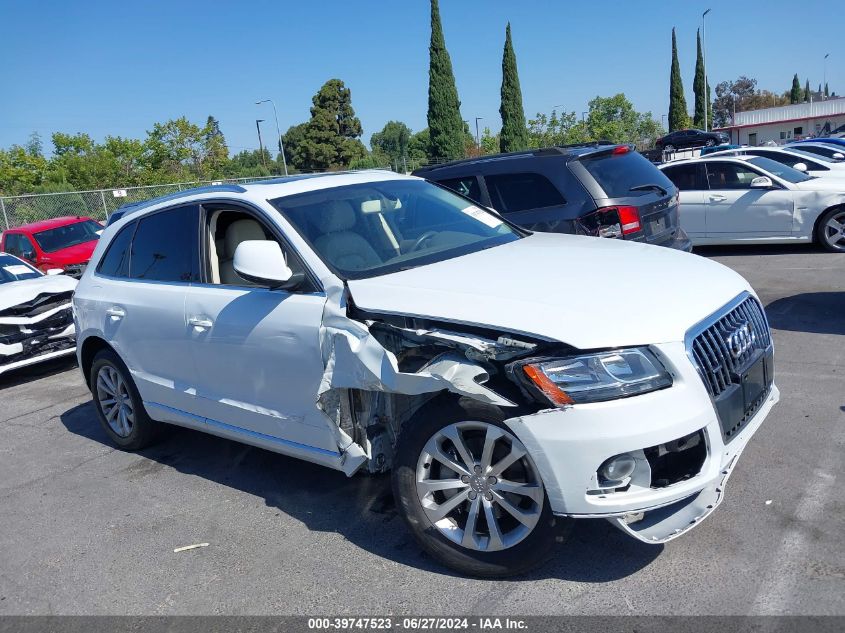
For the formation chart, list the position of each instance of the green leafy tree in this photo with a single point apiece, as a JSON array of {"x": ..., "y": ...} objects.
[
  {"x": 614, "y": 119},
  {"x": 418, "y": 148},
  {"x": 21, "y": 169},
  {"x": 732, "y": 96},
  {"x": 215, "y": 150},
  {"x": 489, "y": 142},
  {"x": 392, "y": 143},
  {"x": 445, "y": 125},
  {"x": 700, "y": 86},
  {"x": 548, "y": 130},
  {"x": 331, "y": 139},
  {"x": 293, "y": 139},
  {"x": 807, "y": 91},
  {"x": 678, "y": 116},
  {"x": 795, "y": 95},
  {"x": 514, "y": 135},
  {"x": 175, "y": 148}
]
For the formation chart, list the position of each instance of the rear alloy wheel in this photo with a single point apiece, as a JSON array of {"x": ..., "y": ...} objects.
[
  {"x": 831, "y": 230},
  {"x": 669, "y": 148},
  {"x": 710, "y": 142},
  {"x": 118, "y": 403},
  {"x": 471, "y": 493}
]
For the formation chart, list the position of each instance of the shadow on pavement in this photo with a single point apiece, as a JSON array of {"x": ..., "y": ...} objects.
[
  {"x": 814, "y": 312},
  {"x": 37, "y": 371},
  {"x": 360, "y": 508}
]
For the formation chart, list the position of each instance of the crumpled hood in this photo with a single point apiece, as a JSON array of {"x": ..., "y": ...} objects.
[
  {"x": 15, "y": 292},
  {"x": 585, "y": 291}
]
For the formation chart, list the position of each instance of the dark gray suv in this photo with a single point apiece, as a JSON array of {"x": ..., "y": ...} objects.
[{"x": 598, "y": 189}]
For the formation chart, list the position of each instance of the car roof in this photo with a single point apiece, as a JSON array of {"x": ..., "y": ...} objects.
[
  {"x": 268, "y": 189},
  {"x": 707, "y": 159},
  {"x": 567, "y": 152},
  {"x": 52, "y": 223}
]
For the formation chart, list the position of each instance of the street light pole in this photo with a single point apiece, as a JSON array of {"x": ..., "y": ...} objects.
[
  {"x": 704, "y": 63},
  {"x": 278, "y": 132},
  {"x": 824, "y": 87},
  {"x": 477, "y": 137},
  {"x": 258, "y": 123}
]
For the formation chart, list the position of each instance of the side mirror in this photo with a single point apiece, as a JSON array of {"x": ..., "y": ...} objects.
[
  {"x": 28, "y": 255},
  {"x": 838, "y": 156},
  {"x": 55, "y": 271},
  {"x": 262, "y": 262},
  {"x": 800, "y": 167},
  {"x": 762, "y": 182}
]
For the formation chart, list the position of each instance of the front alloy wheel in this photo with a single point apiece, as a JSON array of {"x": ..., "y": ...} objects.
[
  {"x": 478, "y": 487},
  {"x": 469, "y": 491}
]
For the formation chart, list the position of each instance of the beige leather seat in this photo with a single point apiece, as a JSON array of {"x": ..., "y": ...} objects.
[
  {"x": 238, "y": 231},
  {"x": 341, "y": 246}
]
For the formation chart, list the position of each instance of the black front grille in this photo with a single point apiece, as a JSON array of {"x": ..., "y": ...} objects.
[
  {"x": 734, "y": 357},
  {"x": 711, "y": 350}
]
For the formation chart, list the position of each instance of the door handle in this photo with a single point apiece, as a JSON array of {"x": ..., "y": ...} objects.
[
  {"x": 116, "y": 313},
  {"x": 200, "y": 323},
  {"x": 718, "y": 198}
]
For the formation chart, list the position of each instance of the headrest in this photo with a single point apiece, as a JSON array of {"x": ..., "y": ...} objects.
[
  {"x": 241, "y": 231},
  {"x": 335, "y": 216}
]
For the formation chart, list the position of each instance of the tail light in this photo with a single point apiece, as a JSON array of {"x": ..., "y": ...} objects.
[{"x": 617, "y": 221}]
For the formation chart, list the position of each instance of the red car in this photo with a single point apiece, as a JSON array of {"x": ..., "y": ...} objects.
[{"x": 65, "y": 243}]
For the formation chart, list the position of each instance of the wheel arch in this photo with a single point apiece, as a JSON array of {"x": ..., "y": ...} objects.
[
  {"x": 91, "y": 346},
  {"x": 819, "y": 219}
]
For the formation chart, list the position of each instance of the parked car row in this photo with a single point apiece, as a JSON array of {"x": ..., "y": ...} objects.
[{"x": 60, "y": 244}]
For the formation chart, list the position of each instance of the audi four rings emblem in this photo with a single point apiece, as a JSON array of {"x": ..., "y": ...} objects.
[{"x": 741, "y": 339}]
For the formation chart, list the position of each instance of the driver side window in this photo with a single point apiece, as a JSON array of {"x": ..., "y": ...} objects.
[
  {"x": 730, "y": 176},
  {"x": 224, "y": 229}
]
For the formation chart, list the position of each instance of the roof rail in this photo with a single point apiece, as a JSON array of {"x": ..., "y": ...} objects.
[{"x": 134, "y": 207}]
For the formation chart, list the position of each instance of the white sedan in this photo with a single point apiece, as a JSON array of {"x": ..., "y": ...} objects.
[
  {"x": 751, "y": 199},
  {"x": 793, "y": 156}
]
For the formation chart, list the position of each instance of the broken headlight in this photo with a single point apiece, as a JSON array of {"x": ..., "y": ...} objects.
[{"x": 597, "y": 377}]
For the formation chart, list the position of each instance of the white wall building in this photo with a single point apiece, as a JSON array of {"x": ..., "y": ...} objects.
[{"x": 787, "y": 123}]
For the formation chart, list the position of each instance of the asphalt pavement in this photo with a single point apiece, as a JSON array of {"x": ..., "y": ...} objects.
[{"x": 87, "y": 529}]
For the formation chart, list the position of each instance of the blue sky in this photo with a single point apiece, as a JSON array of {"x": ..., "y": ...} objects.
[{"x": 107, "y": 67}]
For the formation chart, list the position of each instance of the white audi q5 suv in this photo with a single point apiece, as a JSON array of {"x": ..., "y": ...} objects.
[{"x": 370, "y": 322}]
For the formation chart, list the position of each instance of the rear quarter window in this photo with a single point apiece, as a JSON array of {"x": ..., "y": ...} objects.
[
  {"x": 115, "y": 262},
  {"x": 616, "y": 174}
]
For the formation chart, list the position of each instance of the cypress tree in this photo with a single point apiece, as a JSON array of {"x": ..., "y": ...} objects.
[
  {"x": 795, "y": 95},
  {"x": 698, "y": 85},
  {"x": 514, "y": 135},
  {"x": 445, "y": 125},
  {"x": 807, "y": 91},
  {"x": 678, "y": 116},
  {"x": 826, "y": 91}
]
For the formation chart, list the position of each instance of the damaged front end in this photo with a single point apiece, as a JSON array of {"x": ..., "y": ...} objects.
[
  {"x": 380, "y": 369},
  {"x": 36, "y": 329}
]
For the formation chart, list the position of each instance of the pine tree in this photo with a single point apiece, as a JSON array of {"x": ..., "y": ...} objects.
[
  {"x": 698, "y": 86},
  {"x": 678, "y": 116},
  {"x": 795, "y": 95},
  {"x": 331, "y": 137},
  {"x": 514, "y": 135},
  {"x": 807, "y": 92},
  {"x": 445, "y": 125}
]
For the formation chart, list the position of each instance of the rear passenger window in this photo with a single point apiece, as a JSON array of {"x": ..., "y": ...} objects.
[
  {"x": 165, "y": 246},
  {"x": 115, "y": 262},
  {"x": 518, "y": 192},
  {"x": 465, "y": 186},
  {"x": 688, "y": 177}
]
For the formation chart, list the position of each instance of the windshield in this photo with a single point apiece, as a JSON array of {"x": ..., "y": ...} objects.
[
  {"x": 621, "y": 175},
  {"x": 376, "y": 228},
  {"x": 779, "y": 169},
  {"x": 68, "y": 235},
  {"x": 13, "y": 269}
]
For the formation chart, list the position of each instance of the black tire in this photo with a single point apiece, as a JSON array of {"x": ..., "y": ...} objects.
[
  {"x": 533, "y": 550},
  {"x": 144, "y": 431},
  {"x": 821, "y": 230}
]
